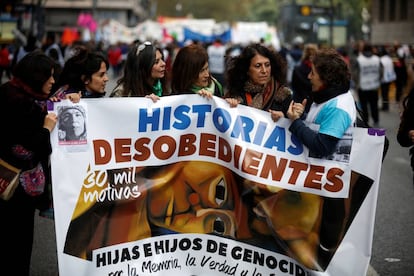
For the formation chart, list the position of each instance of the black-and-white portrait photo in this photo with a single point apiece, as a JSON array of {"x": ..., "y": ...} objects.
[
  {"x": 72, "y": 124},
  {"x": 342, "y": 152}
]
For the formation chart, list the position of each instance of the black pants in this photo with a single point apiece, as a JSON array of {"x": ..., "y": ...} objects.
[
  {"x": 399, "y": 87},
  {"x": 385, "y": 92},
  {"x": 16, "y": 233},
  {"x": 369, "y": 98}
]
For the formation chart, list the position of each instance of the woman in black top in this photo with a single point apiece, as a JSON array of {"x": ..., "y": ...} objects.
[{"x": 25, "y": 144}]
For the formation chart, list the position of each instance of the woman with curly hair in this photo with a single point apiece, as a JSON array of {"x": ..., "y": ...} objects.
[
  {"x": 333, "y": 107},
  {"x": 257, "y": 78},
  {"x": 334, "y": 110}
]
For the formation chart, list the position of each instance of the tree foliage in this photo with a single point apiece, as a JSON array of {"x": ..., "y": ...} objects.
[
  {"x": 229, "y": 10},
  {"x": 259, "y": 10}
]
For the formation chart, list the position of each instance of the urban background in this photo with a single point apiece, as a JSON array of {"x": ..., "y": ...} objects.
[{"x": 332, "y": 22}]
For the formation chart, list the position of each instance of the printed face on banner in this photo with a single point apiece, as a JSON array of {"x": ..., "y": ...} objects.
[
  {"x": 206, "y": 198},
  {"x": 72, "y": 125}
]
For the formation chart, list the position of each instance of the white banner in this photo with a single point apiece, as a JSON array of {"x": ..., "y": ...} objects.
[{"x": 189, "y": 186}]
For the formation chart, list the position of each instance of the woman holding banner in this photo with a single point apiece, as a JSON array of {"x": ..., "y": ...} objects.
[
  {"x": 257, "y": 78},
  {"x": 334, "y": 110},
  {"x": 85, "y": 73},
  {"x": 25, "y": 143},
  {"x": 190, "y": 73},
  {"x": 144, "y": 73}
]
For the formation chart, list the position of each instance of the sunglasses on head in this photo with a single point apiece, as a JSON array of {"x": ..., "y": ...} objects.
[{"x": 142, "y": 47}]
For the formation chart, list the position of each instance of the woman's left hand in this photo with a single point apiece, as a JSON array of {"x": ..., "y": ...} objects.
[
  {"x": 153, "y": 97},
  {"x": 296, "y": 110},
  {"x": 233, "y": 102},
  {"x": 74, "y": 97},
  {"x": 205, "y": 94},
  {"x": 276, "y": 115},
  {"x": 411, "y": 135},
  {"x": 50, "y": 121}
]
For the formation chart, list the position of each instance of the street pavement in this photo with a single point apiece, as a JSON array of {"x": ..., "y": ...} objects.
[{"x": 393, "y": 242}]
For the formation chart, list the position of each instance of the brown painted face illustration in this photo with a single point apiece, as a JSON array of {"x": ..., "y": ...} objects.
[{"x": 196, "y": 197}]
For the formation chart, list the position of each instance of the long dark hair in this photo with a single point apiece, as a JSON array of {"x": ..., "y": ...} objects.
[
  {"x": 80, "y": 68},
  {"x": 34, "y": 69},
  {"x": 186, "y": 68},
  {"x": 136, "y": 79},
  {"x": 238, "y": 67}
]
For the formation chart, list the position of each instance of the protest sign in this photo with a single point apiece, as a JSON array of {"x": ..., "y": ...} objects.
[{"x": 190, "y": 186}]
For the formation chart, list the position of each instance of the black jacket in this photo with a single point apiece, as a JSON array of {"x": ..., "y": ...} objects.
[{"x": 22, "y": 132}]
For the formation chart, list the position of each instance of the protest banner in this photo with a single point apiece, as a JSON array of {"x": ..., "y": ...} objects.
[{"x": 190, "y": 186}]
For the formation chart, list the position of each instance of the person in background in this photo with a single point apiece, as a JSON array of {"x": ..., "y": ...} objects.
[
  {"x": 301, "y": 85},
  {"x": 144, "y": 73},
  {"x": 31, "y": 44},
  {"x": 368, "y": 70},
  {"x": 388, "y": 76},
  {"x": 190, "y": 73},
  {"x": 398, "y": 56},
  {"x": 53, "y": 54},
  {"x": 50, "y": 43},
  {"x": 86, "y": 73},
  {"x": 25, "y": 143},
  {"x": 257, "y": 78},
  {"x": 293, "y": 57},
  {"x": 405, "y": 134},
  {"x": 4, "y": 61},
  {"x": 343, "y": 51},
  {"x": 217, "y": 60},
  {"x": 172, "y": 49},
  {"x": 115, "y": 59}
]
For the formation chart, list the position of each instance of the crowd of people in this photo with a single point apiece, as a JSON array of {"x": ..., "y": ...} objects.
[{"x": 317, "y": 88}]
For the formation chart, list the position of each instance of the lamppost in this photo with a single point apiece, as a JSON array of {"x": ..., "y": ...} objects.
[
  {"x": 37, "y": 24},
  {"x": 331, "y": 22},
  {"x": 365, "y": 28},
  {"x": 178, "y": 8},
  {"x": 94, "y": 5}
]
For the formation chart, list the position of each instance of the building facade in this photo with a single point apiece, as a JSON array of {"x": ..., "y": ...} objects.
[
  {"x": 392, "y": 21},
  {"x": 55, "y": 15}
]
